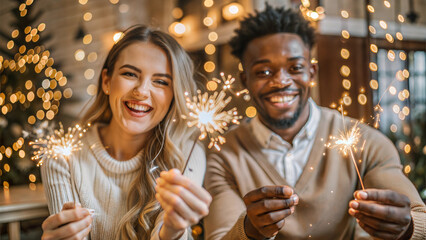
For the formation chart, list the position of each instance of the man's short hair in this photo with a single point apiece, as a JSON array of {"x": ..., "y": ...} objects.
[{"x": 270, "y": 21}]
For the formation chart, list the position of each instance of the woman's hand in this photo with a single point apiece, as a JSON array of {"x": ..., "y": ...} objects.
[
  {"x": 72, "y": 222},
  {"x": 184, "y": 203}
]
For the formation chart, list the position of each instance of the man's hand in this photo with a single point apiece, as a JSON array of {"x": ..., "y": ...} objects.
[
  {"x": 267, "y": 207},
  {"x": 383, "y": 214}
]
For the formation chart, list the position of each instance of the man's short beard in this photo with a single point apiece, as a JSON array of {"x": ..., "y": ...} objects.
[{"x": 282, "y": 123}]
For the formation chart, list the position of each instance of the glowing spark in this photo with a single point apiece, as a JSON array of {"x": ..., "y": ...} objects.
[
  {"x": 59, "y": 144},
  {"x": 347, "y": 143},
  {"x": 227, "y": 84},
  {"x": 207, "y": 114}
]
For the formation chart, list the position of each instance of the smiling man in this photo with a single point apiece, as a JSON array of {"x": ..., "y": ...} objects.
[{"x": 276, "y": 179}]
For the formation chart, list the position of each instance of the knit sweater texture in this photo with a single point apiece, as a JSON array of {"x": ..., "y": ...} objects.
[
  {"x": 97, "y": 181},
  {"x": 325, "y": 186}
]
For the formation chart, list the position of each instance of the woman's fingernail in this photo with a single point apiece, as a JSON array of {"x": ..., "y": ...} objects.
[
  {"x": 351, "y": 211},
  {"x": 362, "y": 195},
  {"x": 354, "y": 204}
]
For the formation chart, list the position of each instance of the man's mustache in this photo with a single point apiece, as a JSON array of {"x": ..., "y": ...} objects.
[{"x": 280, "y": 90}]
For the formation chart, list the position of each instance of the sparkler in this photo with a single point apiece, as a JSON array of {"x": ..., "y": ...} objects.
[
  {"x": 207, "y": 114},
  {"x": 59, "y": 144},
  {"x": 347, "y": 143},
  {"x": 227, "y": 84}
]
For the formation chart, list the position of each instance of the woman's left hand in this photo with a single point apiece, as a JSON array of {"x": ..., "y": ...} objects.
[{"x": 184, "y": 203}]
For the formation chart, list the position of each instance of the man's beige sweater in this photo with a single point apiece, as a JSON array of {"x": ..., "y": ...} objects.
[{"x": 325, "y": 186}]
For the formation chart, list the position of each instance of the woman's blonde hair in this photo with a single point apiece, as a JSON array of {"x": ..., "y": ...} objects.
[{"x": 169, "y": 136}]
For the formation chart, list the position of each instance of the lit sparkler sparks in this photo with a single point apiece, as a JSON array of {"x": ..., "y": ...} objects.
[
  {"x": 347, "y": 143},
  {"x": 59, "y": 144},
  {"x": 207, "y": 114},
  {"x": 227, "y": 84}
]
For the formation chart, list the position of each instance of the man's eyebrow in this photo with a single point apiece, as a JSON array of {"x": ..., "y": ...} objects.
[
  {"x": 163, "y": 75},
  {"x": 260, "y": 61},
  {"x": 131, "y": 67}
]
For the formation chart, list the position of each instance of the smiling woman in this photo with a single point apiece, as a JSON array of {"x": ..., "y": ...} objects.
[{"x": 136, "y": 136}]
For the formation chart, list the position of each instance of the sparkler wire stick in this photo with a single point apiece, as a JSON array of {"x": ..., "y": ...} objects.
[
  {"x": 189, "y": 156},
  {"x": 347, "y": 141}
]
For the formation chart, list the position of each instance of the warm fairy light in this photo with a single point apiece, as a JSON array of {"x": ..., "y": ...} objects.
[
  {"x": 79, "y": 55},
  {"x": 210, "y": 49},
  {"x": 405, "y": 93},
  {"x": 347, "y": 142},
  {"x": 401, "y": 18},
  {"x": 32, "y": 177},
  {"x": 124, "y": 8},
  {"x": 177, "y": 29},
  {"x": 374, "y": 84},
  {"x": 177, "y": 13},
  {"x": 232, "y": 11},
  {"x": 383, "y": 24},
  {"x": 396, "y": 108},
  {"x": 344, "y": 14},
  {"x": 68, "y": 93},
  {"x": 213, "y": 36},
  {"x": 345, "y": 34},
  {"x": 347, "y": 100},
  {"x": 209, "y": 66},
  {"x": 389, "y": 38},
  {"x": 114, "y": 1},
  {"x": 407, "y": 148},
  {"x": 391, "y": 55},
  {"x": 399, "y": 75},
  {"x": 362, "y": 99},
  {"x": 345, "y": 71},
  {"x": 82, "y": 2},
  {"x": 208, "y": 21},
  {"x": 387, "y": 4},
  {"x": 373, "y": 66},
  {"x": 87, "y": 16},
  {"x": 344, "y": 53},
  {"x": 117, "y": 36},
  {"x": 87, "y": 39},
  {"x": 402, "y": 56},
  {"x": 212, "y": 85},
  {"x": 208, "y": 3},
  {"x": 372, "y": 29},
  {"x": 251, "y": 112},
  {"x": 407, "y": 169},
  {"x": 393, "y": 128},
  {"x": 399, "y": 36},
  {"x": 91, "y": 89},
  {"x": 392, "y": 90},
  {"x": 346, "y": 84},
  {"x": 405, "y": 110},
  {"x": 92, "y": 57},
  {"x": 207, "y": 114},
  {"x": 406, "y": 73},
  {"x": 59, "y": 144},
  {"x": 370, "y": 8}
]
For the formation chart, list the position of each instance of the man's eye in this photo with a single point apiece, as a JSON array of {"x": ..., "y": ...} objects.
[
  {"x": 263, "y": 73},
  {"x": 297, "y": 68}
]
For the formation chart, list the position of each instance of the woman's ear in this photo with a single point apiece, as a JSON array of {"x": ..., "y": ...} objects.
[{"x": 106, "y": 81}]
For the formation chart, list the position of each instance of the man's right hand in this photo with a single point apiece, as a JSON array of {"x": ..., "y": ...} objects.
[{"x": 267, "y": 208}]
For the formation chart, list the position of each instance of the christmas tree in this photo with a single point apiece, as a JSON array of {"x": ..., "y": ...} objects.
[{"x": 30, "y": 92}]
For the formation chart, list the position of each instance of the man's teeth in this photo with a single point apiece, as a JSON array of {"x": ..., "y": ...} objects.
[
  {"x": 281, "y": 99},
  {"x": 138, "y": 107}
]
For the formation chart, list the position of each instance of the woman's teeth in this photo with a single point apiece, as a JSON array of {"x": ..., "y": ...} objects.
[
  {"x": 138, "y": 107},
  {"x": 281, "y": 99}
]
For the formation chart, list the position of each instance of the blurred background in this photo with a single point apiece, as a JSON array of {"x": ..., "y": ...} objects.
[{"x": 371, "y": 56}]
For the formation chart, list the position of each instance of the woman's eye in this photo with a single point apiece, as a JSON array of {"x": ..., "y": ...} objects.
[
  {"x": 129, "y": 74},
  {"x": 161, "y": 82}
]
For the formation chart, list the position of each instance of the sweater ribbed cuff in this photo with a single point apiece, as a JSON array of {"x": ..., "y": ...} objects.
[
  {"x": 240, "y": 227},
  {"x": 419, "y": 225}
]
